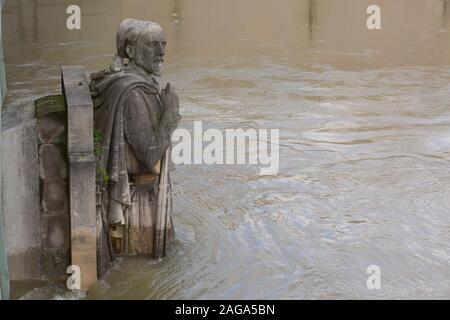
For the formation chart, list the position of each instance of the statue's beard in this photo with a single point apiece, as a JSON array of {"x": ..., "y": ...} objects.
[{"x": 152, "y": 66}]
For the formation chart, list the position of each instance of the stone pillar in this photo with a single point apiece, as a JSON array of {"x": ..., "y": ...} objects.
[{"x": 80, "y": 152}]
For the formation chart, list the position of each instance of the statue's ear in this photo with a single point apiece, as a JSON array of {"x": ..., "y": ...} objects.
[{"x": 130, "y": 51}]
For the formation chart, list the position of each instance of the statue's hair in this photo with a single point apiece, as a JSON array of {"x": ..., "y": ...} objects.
[
  {"x": 131, "y": 30},
  {"x": 129, "y": 33}
]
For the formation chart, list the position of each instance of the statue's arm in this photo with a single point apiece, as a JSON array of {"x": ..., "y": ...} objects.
[{"x": 147, "y": 142}]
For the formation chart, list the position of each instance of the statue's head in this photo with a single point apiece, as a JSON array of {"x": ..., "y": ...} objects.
[{"x": 142, "y": 43}]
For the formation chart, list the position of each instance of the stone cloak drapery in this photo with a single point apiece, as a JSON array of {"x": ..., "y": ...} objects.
[{"x": 110, "y": 91}]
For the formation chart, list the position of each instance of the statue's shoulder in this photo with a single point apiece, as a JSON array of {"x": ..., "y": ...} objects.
[
  {"x": 109, "y": 84},
  {"x": 137, "y": 82}
]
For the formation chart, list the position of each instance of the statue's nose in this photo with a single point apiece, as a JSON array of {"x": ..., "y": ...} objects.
[{"x": 161, "y": 48}]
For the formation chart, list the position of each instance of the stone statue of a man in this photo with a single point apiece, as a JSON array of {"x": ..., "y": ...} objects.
[{"x": 134, "y": 121}]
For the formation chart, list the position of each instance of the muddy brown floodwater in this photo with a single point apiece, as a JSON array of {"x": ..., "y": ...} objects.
[{"x": 364, "y": 119}]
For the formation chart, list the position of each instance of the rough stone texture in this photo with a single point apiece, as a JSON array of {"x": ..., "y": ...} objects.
[
  {"x": 25, "y": 265},
  {"x": 54, "y": 196},
  {"x": 52, "y": 128},
  {"x": 80, "y": 124},
  {"x": 35, "y": 186},
  {"x": 52, "y": 162},
  {"x": 35, "y": 206},
  {"x": 17, "y": 114},
  {"x": 20, "y": 199},
  {"x": 55, "y": 230},
  {"x": 54, "y": 263},
  {"x": 80, "y": 150}
]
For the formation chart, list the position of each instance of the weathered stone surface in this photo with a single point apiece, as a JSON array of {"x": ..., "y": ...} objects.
[
  {"x": 55, "y": 231},
  {"x": 51, "y": 128},
  {"x": 54, "y": 196},
  {"x": 49, "y": 104},
  {"x": 17, "y": 114},
  {"x": 83, "y": 220},
  {"x": 54, "y": 263},
  {"x": 20, "y": 199},
  {"x": 117, "y": 91},
  {"x": 80, "y": 152},
  {"x": 52, "y": 162},
  {"x": 84, "y": 241},
  {"x": 55, "y": 219},
  {"x": 79, "y": 109},
  {"x": 23, "y": 197},
  {"x": 82, "y": 194},
  {"x": 25, "y": 264}
]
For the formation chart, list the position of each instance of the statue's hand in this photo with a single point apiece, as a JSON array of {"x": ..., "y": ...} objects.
[{"x": 169, "y": 99}]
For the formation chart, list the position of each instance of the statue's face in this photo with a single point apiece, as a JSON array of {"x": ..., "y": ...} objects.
[{"x": 150, "y": 52}]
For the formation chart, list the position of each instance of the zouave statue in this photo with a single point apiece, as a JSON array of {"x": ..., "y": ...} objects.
[{"x": 134, "y": 121}]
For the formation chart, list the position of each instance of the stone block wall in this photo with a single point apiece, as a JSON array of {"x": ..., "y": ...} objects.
[
  {"x": 48, "y": 184},
  {"x": 54, "y": 198}
]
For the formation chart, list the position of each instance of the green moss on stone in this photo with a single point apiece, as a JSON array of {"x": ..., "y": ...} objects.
[{"x": 49, "y": 104}]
